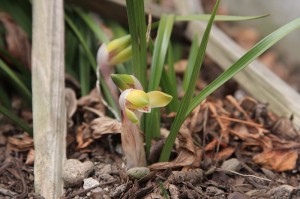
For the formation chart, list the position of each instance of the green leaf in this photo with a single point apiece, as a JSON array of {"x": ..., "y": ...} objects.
[
  {"x": 90, "y": 22},
  {"x": 80, "y": 37},
  {"x": 206, "y": 17},
  {"x": 137, "y": 27},
  {"x": 16, "y": 63},
  {"x": 92, "y": 61},
  {"x": 160, "y": 50},
  {"x": 84, "y": 73},
  {"x": 4, "y": 98},
  {"x": 16, "y": 81},
  {"x": 16, "y": 120},
  {"x": 168, "y": 81},
  {"x": 191, "y": 61},
  {"x": 157, "y": 64},
  {"x": 183, "y": 107},
  {"x": 71, "y": 49},
  {"x": 21, "y": 12},
  {"x": 240, "y": 64}
]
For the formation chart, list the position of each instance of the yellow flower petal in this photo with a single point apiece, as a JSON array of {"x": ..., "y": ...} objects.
[
  {"x": 137, "y": 98},
  {"x": 124, "y": 81},
  {"x": 158, "y": 99},
  {"x": 117, "y": 45},
  {"x": 144, "y": 109},
  {"x": 122, "y": 56},
  {"x": 131, "y": 116}
]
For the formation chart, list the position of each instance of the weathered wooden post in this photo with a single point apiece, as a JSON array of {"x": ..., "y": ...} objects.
[{"x": 49, "y": 113}]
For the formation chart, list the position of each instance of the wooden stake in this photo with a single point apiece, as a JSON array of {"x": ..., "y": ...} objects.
[{"x": 49, "y": 113}]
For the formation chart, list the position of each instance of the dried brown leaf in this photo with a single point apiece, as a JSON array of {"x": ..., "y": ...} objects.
[
  {"x": 20, "y": 143},
  {"x": 83, "y": 137},
  {"x": 284, "y": 128},
  {"x": 185, "y": 158},
  {"x": 30, "y": 157},
  {"x": 71, "y": 105},
  {"x": 180, "y": 66},
  {"x": 16, "y": 40},
  {"x": 243, "y": 132},
  {"x": 186, "y": 151},
  {"x": 93, "y": 100},
  {"x": 224, "y": 154},
  {"x": 278, "y": 160},
  {"x": 105, "y": 125},
  {"x": 235, "y": 103},
  {"x": 71, "y": 102}
]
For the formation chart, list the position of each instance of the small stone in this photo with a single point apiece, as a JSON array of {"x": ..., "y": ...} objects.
[
  {"x": 238, "y": 195},
  {"x": 91, "y": 182},
  {"x": 75, "y": 171},
  {"x": 214, "y": 191},
  {"x": 106, "y": 169},
  {"x": 270, "y": 174},
  {"x": 282, "y": 191},
  {"x": 138, "y": 172},
  {"x": 106, "y": 177},
  {"x": 194, "y": 176},
  {"x": 118, "y": 191},
  {"x": 232, "y": 164}
]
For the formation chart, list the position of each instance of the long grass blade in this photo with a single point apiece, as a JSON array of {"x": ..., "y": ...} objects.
[
  {"x": 71, "y": 52},
  {"x": 137, "y": 28},
  {"x": 168, "y": 81},
  {"x": 92, "y": 61},
  {"x": 4, "y": 98},
  {"x": 191, "y": 60},
  {"x": 152, "y": 124},
  {"x": 160, "y": 50},
  {"x": 84, "y": 73},
  {"x": 16, "y": 120},
  {"x": 90, "y": 22},
  {"x": 82, "y": 41},
  {"x": 16, "y": 80},
  {"x": 183, "y": 107},
  {"x": 240, "y": 64},
  {"x": 205, "y": 17}
]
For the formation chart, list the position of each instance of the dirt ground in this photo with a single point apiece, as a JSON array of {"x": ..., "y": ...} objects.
[{"x": 228, "y": 148}]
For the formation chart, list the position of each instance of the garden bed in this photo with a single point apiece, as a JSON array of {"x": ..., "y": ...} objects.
[{"x": 231, "y": 146}]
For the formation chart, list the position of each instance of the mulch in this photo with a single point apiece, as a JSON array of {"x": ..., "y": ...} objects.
[{"x": 239, "y": 150}]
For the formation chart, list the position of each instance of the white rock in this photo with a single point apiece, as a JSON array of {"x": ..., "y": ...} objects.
[{"x": 89, "y": 182}]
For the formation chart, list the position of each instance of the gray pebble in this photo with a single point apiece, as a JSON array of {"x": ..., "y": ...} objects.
[
  {"x": 232, "y": 164},
  {"x": 118, "y": 191},
  {"x": 282, "y": 191},
  {"x": 138, "y": 172},
  {"x": 75, "y": 171},
  {"x": 89, "y": 182}
]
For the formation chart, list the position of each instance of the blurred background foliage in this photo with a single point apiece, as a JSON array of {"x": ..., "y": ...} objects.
[{"x": 84, "y": 32}]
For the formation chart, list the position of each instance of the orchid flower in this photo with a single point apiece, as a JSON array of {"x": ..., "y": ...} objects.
[
  {"x": 115, "y": 52},
  {"x": 133, "y": 99},
  {"x": 133, "y": 102},
  {"x": 108, "y": 55}
]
